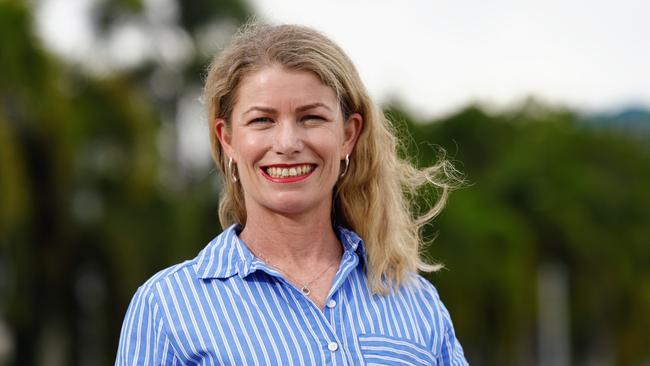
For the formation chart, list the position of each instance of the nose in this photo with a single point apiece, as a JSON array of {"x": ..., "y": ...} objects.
[{"x": 288, "y": 139}]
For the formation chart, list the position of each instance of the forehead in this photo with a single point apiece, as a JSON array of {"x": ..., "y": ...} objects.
[{"x": 278, "y": 87}]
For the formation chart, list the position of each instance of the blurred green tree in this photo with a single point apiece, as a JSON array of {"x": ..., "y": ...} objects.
[
  {"x": 86, "y": 210},
  {"x": 544, "y": 187}
]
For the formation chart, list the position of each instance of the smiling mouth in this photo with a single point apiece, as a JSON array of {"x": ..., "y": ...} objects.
[{"x": 288, "y": 172}]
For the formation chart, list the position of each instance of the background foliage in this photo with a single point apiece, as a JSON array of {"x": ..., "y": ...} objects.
[{"x": 93, "y": 200}]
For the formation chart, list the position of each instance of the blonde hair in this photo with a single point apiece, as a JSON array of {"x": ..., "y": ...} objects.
[{"x": 376, "y": 196}]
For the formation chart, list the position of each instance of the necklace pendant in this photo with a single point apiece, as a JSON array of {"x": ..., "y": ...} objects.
[{"x": 305, "y": 290}]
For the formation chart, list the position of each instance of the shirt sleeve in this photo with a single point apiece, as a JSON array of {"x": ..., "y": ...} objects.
[
  {"x": 451, "y": 352},
  {"x": 447, "y": 348},
  {"x": 143, "y": 340}
]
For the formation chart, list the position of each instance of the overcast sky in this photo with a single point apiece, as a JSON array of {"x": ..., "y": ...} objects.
[{"x": 436, "y": 56}]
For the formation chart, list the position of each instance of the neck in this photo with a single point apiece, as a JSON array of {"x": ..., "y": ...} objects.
[{"x": 302, "y": 242}]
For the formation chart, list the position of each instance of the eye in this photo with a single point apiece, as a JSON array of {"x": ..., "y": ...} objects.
[
  {"x": 313, "y": 117},
  {"x": 261, "y": 120}
]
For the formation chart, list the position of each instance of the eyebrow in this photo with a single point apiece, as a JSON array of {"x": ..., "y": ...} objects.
[
  {"x": 303, "y": 108},
  {"x": 261, "y": 109},
  {"x": 312, "y": 106}
]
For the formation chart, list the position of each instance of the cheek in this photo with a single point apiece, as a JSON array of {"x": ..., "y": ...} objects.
[
  {"x": 328, "y": 142},
  {"x": 329, "y": 150},
  {"x": 248, "y": 147}
]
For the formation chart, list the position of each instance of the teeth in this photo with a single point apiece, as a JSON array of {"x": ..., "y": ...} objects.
[{"x": 277, "y": 172}]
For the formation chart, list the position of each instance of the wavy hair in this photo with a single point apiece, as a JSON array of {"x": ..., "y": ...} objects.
[{"x": 377, "y": 196}]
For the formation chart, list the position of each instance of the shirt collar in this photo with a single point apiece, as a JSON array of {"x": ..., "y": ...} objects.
[
  {"x": 352, "y": 243},
  {"x": 226, "y": 255}
]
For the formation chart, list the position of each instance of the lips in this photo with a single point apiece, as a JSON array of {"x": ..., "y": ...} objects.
[{"x": 287, "y": 173}]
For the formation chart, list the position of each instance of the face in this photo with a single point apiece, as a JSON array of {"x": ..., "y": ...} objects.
[{"x": 287, "y": 136}]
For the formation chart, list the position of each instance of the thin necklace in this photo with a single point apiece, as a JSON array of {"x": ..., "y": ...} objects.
[{"x": 305, "y": 289}]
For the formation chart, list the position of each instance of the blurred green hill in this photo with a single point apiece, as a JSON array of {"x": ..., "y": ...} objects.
[
  {"x": 632, "y": 120},
  {"x": 93, "y": 201}
]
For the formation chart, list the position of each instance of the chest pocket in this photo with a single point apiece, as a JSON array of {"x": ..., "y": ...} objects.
[{"x": 383, "y": 350}]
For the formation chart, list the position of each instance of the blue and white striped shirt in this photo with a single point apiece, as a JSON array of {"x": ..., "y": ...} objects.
[{"x": 227, "y": 307}]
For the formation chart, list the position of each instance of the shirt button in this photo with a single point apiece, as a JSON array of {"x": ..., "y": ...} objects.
[
  {"x": 331, "y": 303},
  {"x": 332, "y": 346}
]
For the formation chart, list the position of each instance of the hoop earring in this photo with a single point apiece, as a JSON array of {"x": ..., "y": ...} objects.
[
  {"x": 347, "y": 164},
  {"x": 233, "y": 176}
]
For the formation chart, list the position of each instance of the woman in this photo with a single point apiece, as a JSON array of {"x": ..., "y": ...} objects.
[{"x": 318, "y": 263}]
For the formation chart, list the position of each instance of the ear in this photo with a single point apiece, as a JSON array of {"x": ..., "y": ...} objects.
[
  {"x": 352, "y": 129},
  {"x": 224, "y": 135}
]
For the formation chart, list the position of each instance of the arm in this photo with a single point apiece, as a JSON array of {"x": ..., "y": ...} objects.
[
  {"x": 445, "y": 345},
  {"x": 451, "y": 352},
  {"x": 143, "y": 340}
]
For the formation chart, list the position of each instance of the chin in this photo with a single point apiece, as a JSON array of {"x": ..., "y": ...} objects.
[
  {"x": 292, "y": 204},
  {"x": 291, "y": 207}
]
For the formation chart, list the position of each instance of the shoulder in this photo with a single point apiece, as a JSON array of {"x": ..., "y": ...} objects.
[
  {"x": 433, "y": 303},
  {"x": 215, "y": 260},
  {"x": 144, "y": 331},
  {"x": 423, "y": 290},
  {"x": 168, "y": 273},
  {"x": 154, "y": 305},
  {"x": 152, "y": 299},
  {"x": 165, "y": 277},
  {"x": 445, "y": 343},
  {"x": 424, "y": 297}
]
